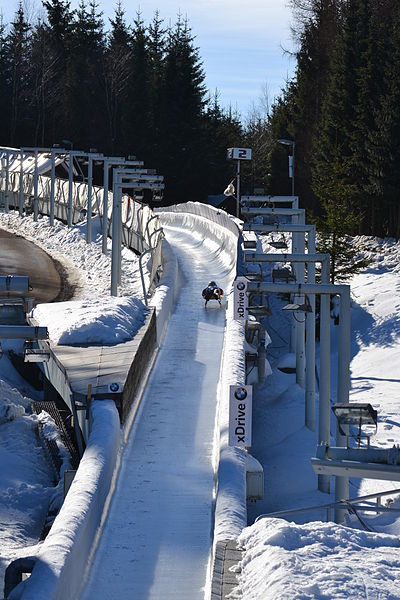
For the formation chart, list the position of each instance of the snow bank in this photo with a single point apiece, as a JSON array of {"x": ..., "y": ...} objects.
[
  {"x": 316, "y": 560},
  {"x": 105, "y": 321},
  {"x": 63, "y": 557},
  {"x": 26, "y": 486}
]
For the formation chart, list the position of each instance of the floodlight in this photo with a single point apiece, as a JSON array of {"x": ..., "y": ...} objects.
[
  {"x": 306, "y": 308},
  {"x": 355, "y": 414}
]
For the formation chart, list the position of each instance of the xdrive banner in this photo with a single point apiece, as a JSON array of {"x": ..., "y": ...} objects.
[
  {"x": 240, "y": 301},
  {"x": 240, "y": 414}
]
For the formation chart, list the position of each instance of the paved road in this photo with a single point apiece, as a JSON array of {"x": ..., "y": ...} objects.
[{"x": 20, "y": 257}]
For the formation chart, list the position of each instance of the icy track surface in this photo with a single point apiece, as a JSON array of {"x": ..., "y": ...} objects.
[{"x": 156, "y": 540}]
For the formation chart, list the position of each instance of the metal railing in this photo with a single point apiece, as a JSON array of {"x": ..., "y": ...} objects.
[
  {"x": 351, "y": 504},
  {"x": 139, "y": 223}
]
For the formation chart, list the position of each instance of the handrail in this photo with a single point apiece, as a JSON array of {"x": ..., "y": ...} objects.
[
  {"x": 149, "y": 251},
  {"x": 348, "y": 501},
  {"x": 138, "y": 233},
  {"x": 160, "y": 230}
]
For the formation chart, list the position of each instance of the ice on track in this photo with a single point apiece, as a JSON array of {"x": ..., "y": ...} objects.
[{"x": 156, "y": 540}]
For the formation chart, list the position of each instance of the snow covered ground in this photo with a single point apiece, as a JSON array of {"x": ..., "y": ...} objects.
[
  {"x": 282, "y": 559},
  {"x": 297, "y": 559}
]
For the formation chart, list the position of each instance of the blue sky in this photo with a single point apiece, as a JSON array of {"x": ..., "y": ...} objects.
[{"x": 240, "y": 42}]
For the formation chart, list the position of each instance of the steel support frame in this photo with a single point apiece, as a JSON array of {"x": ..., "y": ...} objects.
[
  {"x": 310, "y": 260},
  {"x": 122, "y": 179},
  {"x": 298, "y": 230},
  {"x": 343, "y": 375}
]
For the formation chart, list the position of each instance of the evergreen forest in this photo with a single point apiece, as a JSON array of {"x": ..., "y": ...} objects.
[
  {"x": 131, "y": 89},
  {"x": 137, "y": 88},
  {"x": 342, "y": 108}
]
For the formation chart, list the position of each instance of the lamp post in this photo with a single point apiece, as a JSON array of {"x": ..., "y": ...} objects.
[{"x": 291, "y": 159}]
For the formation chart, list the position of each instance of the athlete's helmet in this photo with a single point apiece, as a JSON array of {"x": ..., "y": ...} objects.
[{"x": 212, "y": 283}]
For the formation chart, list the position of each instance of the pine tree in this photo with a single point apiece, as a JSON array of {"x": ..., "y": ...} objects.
[
  {"x": 220, "y": 130},
  {"x": 116, "y": 76},
  {"x": 317, "y": 40},
  {"x": 138, "y": 116},
  {"x": 156, "y": 51},
  {"x": 334, "y": 227},
  {"x": 54, "y": 42},
  {"x": 86, "y": 116},
  {"x": 45, "y": 84},
  {"x": 5, "y": 100},
  {"x": 17, "y": 49},
  {"x": 183, "y": 101}
]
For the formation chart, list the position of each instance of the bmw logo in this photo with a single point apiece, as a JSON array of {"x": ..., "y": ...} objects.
[
  {"x": 114, "y": 387},
  {"x": 240, "y": 286},
  {"x": 240, "y": 393}
]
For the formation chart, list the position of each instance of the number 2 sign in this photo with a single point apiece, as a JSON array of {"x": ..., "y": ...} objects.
[{"x": 239, "y": 154}]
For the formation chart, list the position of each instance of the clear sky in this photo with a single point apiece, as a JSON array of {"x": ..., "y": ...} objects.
[{"x": 241, "y": 43}]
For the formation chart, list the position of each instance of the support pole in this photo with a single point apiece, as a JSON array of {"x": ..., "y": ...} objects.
[
  {"x": 324, "y": 435},
  {"x": 238, "y": 189},
  {"x": 105, "y": 207},
  {"x": 114, "y": 249},
  {"x": 52, "y": 186},
  {"x": 89, "y": 201},
  {"x": 300, "y": 326},
  {"x": 342, "y": 483},
  {"x": 7, "y": 196},
  {"x": 119, "y": 231},
  {"x": 21, "y": 185},
  {"x": 70, "y": 188},
  {"x": 35, "y": 189},
  {"x": 310, "y": 413}
]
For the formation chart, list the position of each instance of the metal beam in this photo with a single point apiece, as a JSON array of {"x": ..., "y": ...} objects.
[
  {"x": 23, "y": 332},
  {"x": 289, "y": 227},
  {"x": 254, "y": 210},
  {"x": 343, "y": 469},
  {"x": 14, "y": 283}
]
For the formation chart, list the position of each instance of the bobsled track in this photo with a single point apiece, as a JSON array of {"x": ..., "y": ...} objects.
[{"x": 157, "y": 538}]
